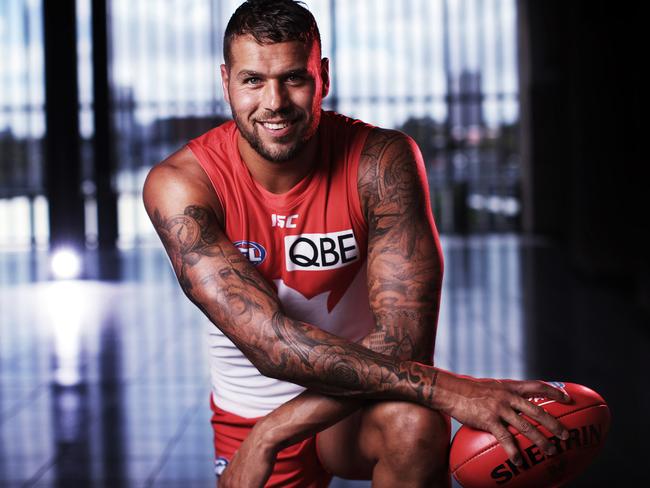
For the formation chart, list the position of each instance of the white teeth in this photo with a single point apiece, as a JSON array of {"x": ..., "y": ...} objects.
[{"x": 270, "y": 125}]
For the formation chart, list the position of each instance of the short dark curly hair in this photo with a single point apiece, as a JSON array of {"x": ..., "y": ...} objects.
[{"x": 271, "y": 21}]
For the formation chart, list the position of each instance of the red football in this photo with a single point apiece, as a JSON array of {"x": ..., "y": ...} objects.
[{"x": 477, "y": 460}]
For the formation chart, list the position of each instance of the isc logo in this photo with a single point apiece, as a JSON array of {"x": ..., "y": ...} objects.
[
  {"x": 284, "y": 221},
  {"x": 253, "y": 251},
  {"x": 320, "y": 252}
]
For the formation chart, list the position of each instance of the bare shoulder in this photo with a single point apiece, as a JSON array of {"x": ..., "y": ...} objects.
[
  {"x": 391, "y": 173},
  {"x": 179, "y": 178}
]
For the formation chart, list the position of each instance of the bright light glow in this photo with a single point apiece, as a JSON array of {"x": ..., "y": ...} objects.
[
  {"x": 73, "y": 316},
  {"x": 508, "y": 206},
  {"x": 493, "y": 204},
  {"x": 65, "y": 264},
  {"x": 65, "y": 302},
  {"x": 476, "y": 202}
]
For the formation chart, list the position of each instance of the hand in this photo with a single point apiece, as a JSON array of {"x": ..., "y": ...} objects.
[
  {"x": 251, "y": 465},
  {"x": 489, "y": 404}
]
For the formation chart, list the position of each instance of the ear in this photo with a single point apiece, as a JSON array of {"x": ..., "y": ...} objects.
[
  {"x": 225, "y": 82},
  {"x": 325, "y": 76}
]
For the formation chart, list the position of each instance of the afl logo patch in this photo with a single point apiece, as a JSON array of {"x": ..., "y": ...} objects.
[
  {"x": 219, "y": 465},
  {"x": 320, "y": 252},
  {"x": 253, "y": 251}
]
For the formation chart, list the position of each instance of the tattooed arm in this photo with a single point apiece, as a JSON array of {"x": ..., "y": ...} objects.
[
  {"x": 404, "y": 256},
  {"x": 228, "y": 289}
]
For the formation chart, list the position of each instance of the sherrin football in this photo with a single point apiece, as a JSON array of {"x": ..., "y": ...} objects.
[{"x": 477, "y": 460}]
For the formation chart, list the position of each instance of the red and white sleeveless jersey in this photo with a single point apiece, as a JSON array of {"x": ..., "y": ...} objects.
[{"x": 310, "y": 242}]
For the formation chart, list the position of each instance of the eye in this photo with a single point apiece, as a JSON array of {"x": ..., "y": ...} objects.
[
  {"x": 295, "y": 79},
  {"x": 252, "y": 80}
]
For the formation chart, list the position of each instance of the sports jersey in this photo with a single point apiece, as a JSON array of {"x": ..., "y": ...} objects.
[{"x": 310, "y": 243}]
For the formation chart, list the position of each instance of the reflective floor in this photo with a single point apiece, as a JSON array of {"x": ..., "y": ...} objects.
[{"x": 104, "y": 382}]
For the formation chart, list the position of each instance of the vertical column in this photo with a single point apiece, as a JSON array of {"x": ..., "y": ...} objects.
[
  {"x": 545, "y": 115},
  {"x": 62, "y": 159},
  {"x": 103, "y": 140}
]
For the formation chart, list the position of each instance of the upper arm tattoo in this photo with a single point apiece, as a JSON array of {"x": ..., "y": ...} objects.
[
  {"x": 187, "y": 237},
  {"x": 193, "y": 235},
  {"x": 404, "y": 266}
]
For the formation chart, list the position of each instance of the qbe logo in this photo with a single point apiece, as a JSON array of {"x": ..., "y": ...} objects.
[
  {"x": 320, "y": 252},
  {"x": 255, "y": 252}
]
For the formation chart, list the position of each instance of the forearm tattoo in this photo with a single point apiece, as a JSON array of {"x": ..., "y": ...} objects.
[{"x": 231, "y": 292}]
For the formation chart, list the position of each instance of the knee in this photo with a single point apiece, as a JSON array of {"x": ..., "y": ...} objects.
[{"x": 413, "y": 435}]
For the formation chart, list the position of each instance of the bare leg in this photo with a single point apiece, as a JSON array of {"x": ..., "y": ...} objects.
[{"x": 392, "y": 443}]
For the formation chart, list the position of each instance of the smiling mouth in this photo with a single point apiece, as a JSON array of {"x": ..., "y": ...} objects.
[{"x": 276, "y": 125}]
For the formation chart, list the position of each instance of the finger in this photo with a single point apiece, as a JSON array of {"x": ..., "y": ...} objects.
[
  {"x": 530, "y": 431},
  {"x": 537, "y": 413},
  {"x": 539, "y": 389},
  {"x": 507, "y": 441}
]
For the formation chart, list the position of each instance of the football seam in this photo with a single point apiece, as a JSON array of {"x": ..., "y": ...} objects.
[{"x": 486, "y": 449}]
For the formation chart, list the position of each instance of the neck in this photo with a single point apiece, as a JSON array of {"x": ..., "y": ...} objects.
[{"x": 278, "y": 177}]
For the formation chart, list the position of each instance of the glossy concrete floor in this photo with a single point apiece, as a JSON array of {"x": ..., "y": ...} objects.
[{"x": 104, "y": 382}]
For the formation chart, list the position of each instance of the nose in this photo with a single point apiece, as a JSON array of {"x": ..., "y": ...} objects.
[{"x": 275, "y": 96}]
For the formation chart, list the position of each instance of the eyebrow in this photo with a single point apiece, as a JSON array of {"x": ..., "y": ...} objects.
[{"x": 249, "y": 73}]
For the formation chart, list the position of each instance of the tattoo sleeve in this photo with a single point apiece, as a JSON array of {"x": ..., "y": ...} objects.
[
  {"x": 238, "y": 300},
  {"x": 404, "y": 259}
]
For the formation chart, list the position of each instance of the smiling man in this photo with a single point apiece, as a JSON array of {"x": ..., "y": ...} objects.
[{"x": 307, "y": 239}]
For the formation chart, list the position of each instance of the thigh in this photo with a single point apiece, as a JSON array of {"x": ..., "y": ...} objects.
[{"x": 341, "y": 450}]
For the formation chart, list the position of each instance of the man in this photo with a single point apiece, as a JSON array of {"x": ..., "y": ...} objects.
[{"x": 307, "y": 239}]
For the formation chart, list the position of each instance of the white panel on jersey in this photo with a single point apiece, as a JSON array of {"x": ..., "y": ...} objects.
[
  {"x": 238, "y": 387},
  {"x": 350, "y": 318}
]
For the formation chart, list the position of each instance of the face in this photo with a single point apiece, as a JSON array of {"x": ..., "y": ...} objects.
[{"x": 275, "y": 93}]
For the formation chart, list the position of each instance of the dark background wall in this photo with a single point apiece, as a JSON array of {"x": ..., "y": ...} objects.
[{"x": 584, "y": 186}]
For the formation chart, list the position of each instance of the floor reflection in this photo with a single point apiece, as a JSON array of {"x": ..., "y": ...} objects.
[{"x": 104, "y": 382}]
